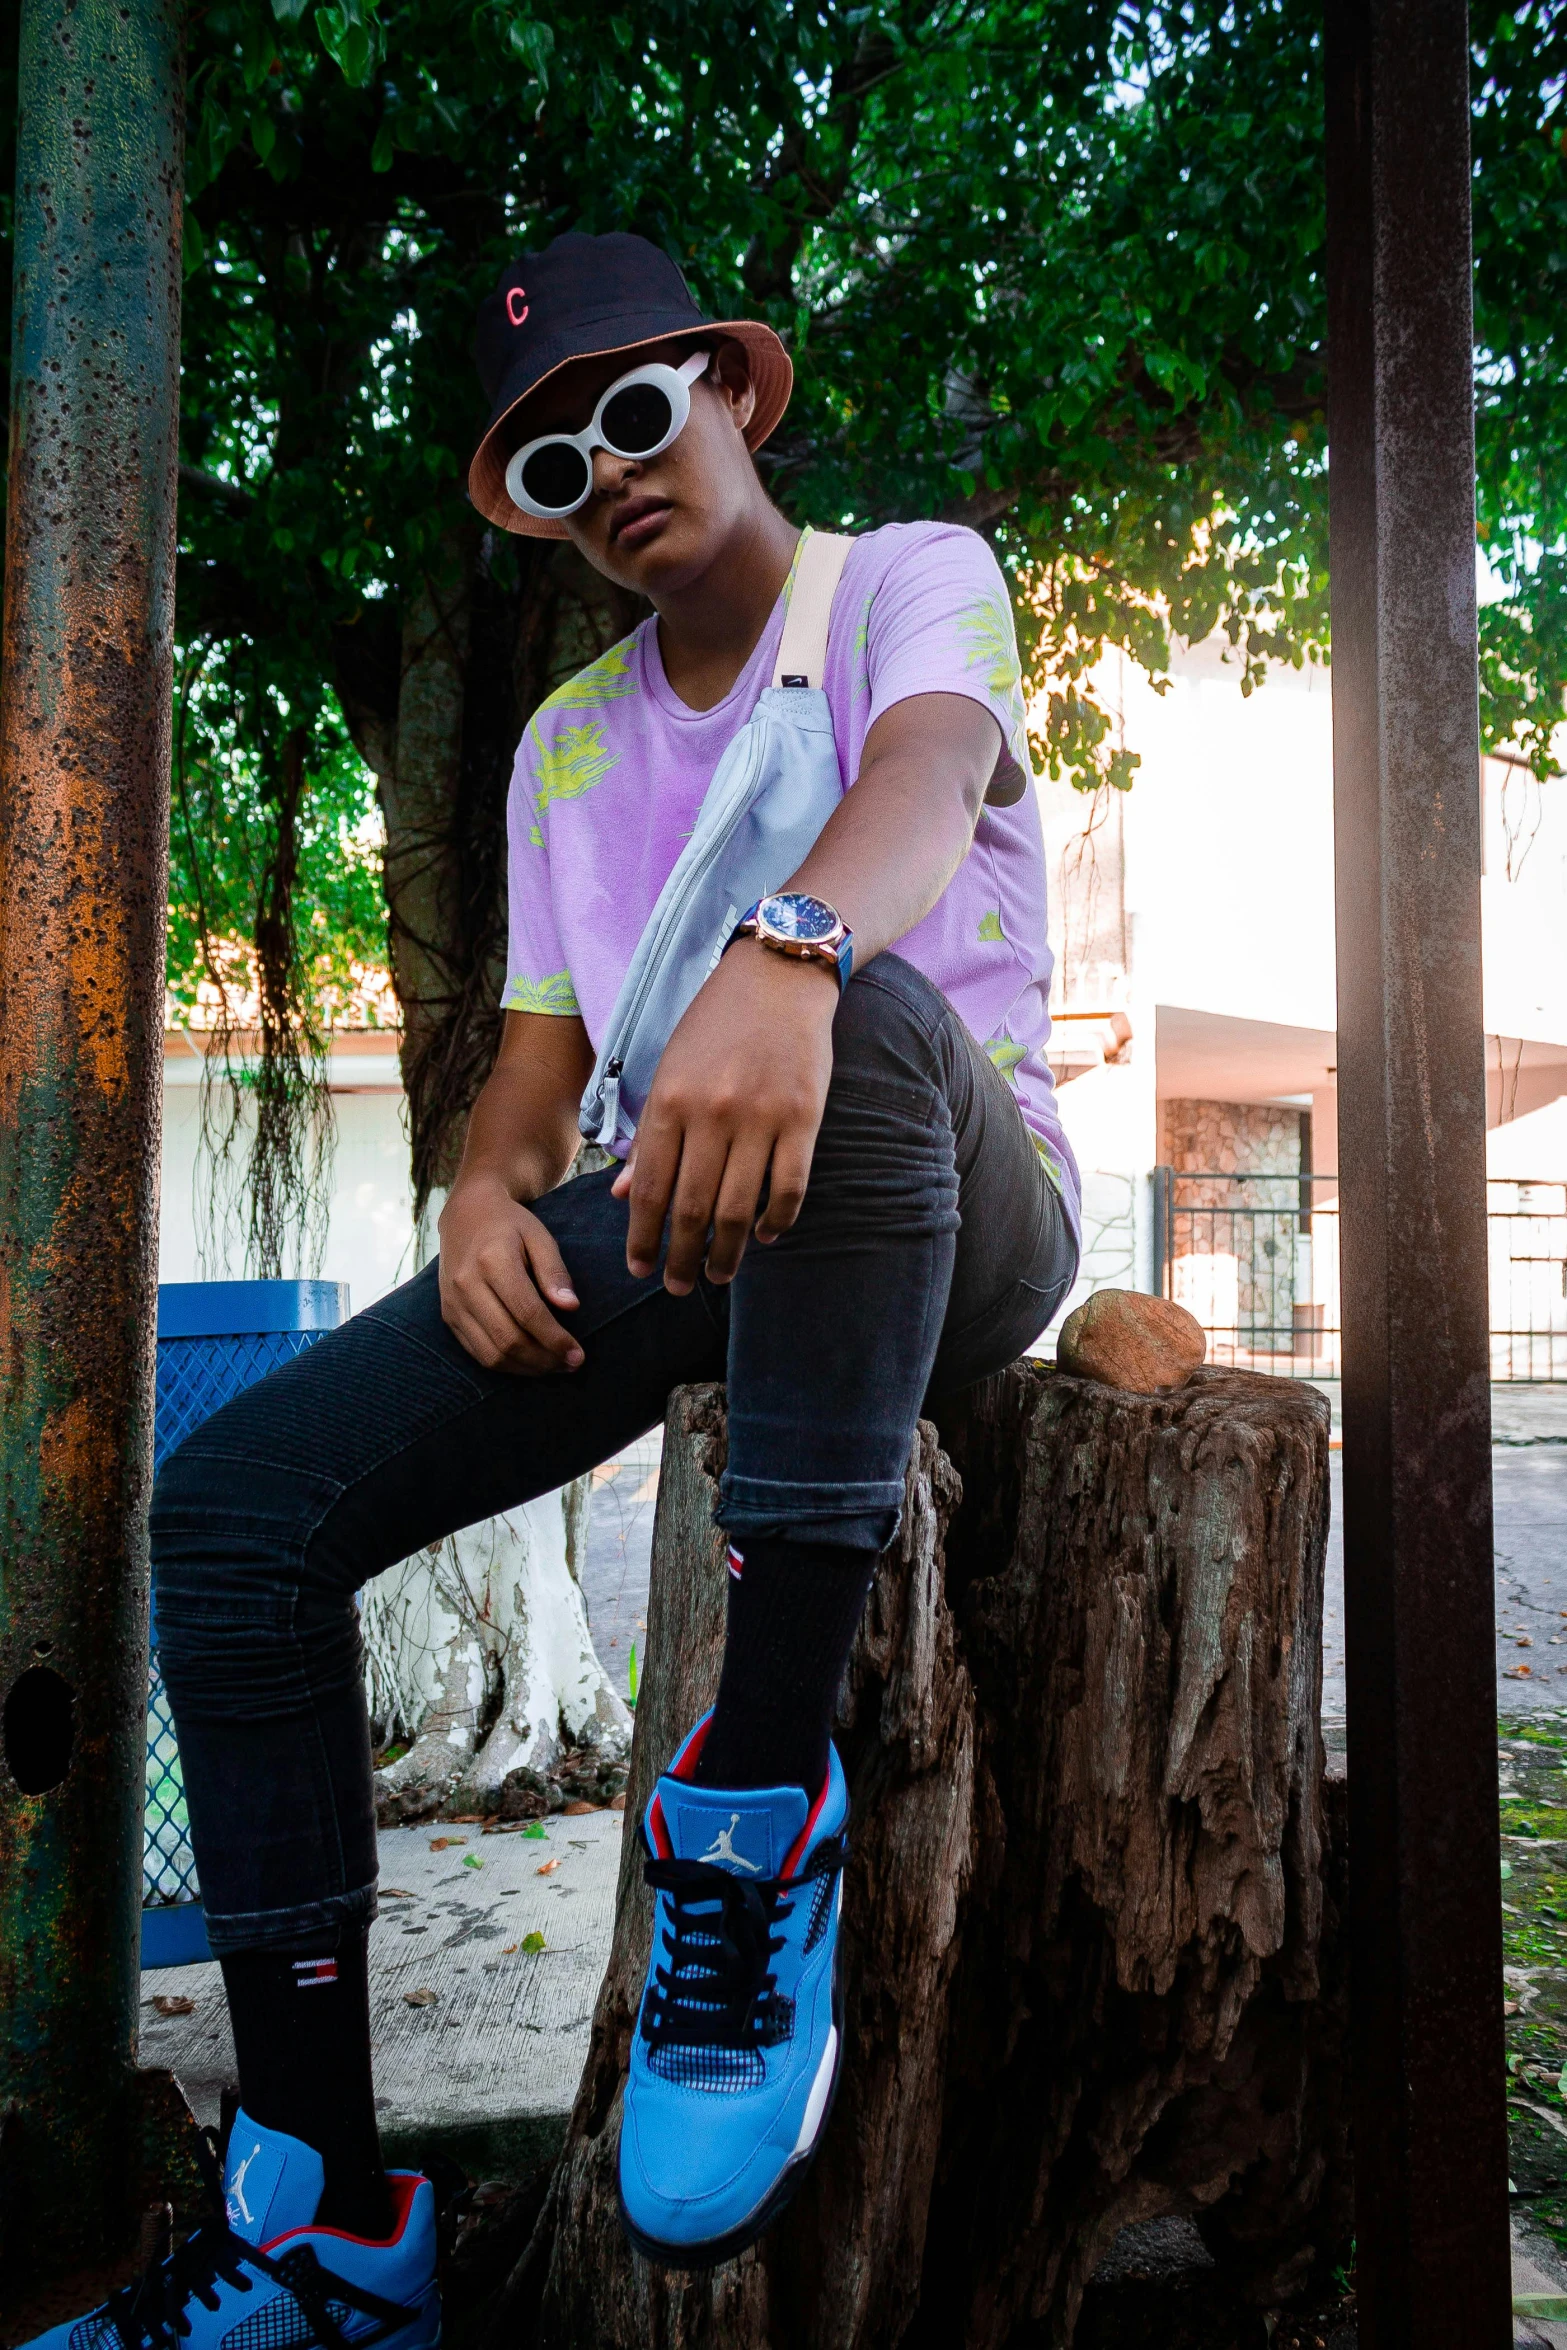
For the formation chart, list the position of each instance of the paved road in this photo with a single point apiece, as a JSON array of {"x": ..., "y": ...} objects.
[{"x": 1529, "y": 1483}]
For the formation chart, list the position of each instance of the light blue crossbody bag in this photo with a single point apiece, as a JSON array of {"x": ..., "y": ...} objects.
[{"x": 771, "y": 793}]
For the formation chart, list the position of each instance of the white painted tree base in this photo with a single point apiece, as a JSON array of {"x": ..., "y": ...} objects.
[{"x": 480, "y": 1648}]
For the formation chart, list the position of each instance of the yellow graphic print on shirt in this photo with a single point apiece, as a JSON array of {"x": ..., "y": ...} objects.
[
  {"x": 570, "y": 763},
  {"x": 987, "y": 630},
  {"x": 554, "y": 994},
  {"x": 570, "y": 760},
  {"x": 1006, "y": 1053},
  {"x": 990, "y": 930}
]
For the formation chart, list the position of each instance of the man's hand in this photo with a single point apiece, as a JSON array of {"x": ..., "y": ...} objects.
[
  {"x": 498, "y": 1266},
  {"x": 740, "y": 1089}
]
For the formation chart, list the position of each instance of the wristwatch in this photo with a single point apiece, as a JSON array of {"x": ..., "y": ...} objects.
[{"x": 791, "y": 923}]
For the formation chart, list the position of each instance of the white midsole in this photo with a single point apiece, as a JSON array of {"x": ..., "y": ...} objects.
[{"x": 816, "y": 2103}]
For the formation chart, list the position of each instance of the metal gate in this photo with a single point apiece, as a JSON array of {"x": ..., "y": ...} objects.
[{"x": 1255, "y": 1258}]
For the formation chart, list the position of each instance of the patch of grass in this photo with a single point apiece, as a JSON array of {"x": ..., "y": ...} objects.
[{"x": 1534, "y": 1948}]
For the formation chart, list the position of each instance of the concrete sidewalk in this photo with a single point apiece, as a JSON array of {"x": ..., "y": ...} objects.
[{"x": 479, "y": 2040}]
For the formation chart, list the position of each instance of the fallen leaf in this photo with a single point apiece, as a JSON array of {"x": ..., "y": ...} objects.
[
  {"x": 1510, "y": 2007},
  {"x": 174, "y": 2003},
  {"x": 536, "y": 1828},
  {"x": 617, "y": 1802},
  {"x": 396, "y": 1893},
  {"x": 440, "y": 1843},
  {"x": 532, "y": 1942},
  {"x": 421, "y": 1998},
  {"x": 1517, "y": 1673},
  {"x": 1525, "y": 1642},
  {"x": 547, "y": 1868},
  {"x": 471, "y": 1860},
  {"x": 507, "y": 1952},
  {"x": 466, "y": 1819},
  {"x": 574, "y": 1811}
]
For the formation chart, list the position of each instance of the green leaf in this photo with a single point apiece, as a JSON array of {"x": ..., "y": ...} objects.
[
  {"x": 537, "y": 1830},
  {"x": 631, "y": 1672},
  {"x": 533, "y": 42},
  {"x": 532, "y": 1943},
  {"x": 1544, "y": 2305},
  {"x": 289, "y": 11},
  {"x": 349, "y": 40},
  {"x": 195, "y": 247},
  {"x": 263, "y": 133},
  {"x": 471, "y": 1860}
]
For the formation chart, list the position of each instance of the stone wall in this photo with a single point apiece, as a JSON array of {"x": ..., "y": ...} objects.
[{"x": 1237, "y": 1271}]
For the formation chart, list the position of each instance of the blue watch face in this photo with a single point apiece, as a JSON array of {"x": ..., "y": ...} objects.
[{"x": 794, "y": 915}]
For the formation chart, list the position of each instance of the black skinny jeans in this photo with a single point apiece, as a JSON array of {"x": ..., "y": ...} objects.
[{"x": 931, "y": 1248}]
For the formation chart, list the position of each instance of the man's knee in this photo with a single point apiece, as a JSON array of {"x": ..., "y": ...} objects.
[
  {"x": 890, "y": 1020},
  {"x": 884, "y": 1162}
]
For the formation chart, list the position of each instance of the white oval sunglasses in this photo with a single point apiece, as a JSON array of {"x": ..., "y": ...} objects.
[{"x": 639, "y": 415}]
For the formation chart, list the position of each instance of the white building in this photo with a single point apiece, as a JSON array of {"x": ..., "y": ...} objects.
[{"x": 1193, "y": 920}]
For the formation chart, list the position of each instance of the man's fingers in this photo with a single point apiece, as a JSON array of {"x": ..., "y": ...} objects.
[
  {"x": 657, "y": 1161},
  {"x": 502, "y": 1268},
  {"x": 792, "y": 1154},
  {"x": 486, "y": 1331},
  {"x": 500, "y": 1297},
  {"x": 691, "y": 1211},
  {"x": 735, "y": 1210},
  {"x": 546, "y": 1264}
]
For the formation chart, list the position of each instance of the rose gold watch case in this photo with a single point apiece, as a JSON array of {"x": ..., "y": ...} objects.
[{"x": 804, "y": 950}]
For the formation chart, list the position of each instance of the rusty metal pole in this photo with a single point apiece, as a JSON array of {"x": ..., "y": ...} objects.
[
  {"x": 84, "y": 760},
  {"x": 1426, "y": 1954}
]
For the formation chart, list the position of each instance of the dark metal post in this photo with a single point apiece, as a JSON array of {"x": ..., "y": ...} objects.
[
  {"x": 1430, "y": 2138},
  {"x": 84, "y": 754}
]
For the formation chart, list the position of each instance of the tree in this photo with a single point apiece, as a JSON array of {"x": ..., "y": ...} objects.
[{"x": 1017, "y": 249}]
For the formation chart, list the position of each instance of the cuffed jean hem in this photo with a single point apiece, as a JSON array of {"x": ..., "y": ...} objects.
[
  {"x": 265, "y": 1929},
  {"x": 863, "y": 1516}
]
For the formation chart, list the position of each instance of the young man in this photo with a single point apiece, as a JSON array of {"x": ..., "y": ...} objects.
[{"x": 844, "y": 1193}]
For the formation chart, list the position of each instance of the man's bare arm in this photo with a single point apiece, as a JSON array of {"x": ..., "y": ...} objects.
[
  {"x": 499, "y": 1265},
  {"x": 743, "y": 1081}
]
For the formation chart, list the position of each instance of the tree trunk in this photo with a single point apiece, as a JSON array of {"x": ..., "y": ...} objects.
[
  {"x": 1090, "y": 1976},
  {"x": 478, "y": 1649}
]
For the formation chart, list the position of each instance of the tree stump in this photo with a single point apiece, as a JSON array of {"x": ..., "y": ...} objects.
[{"x": 1090, "y": 1961}]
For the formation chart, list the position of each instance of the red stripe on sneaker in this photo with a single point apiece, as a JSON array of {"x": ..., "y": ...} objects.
[
  {"x": 685, "y": 1761},
  {"x": 657, "y": 1830},
  {"x": 736, "y": 1562},
  {"x": 796, "y": 1852}
]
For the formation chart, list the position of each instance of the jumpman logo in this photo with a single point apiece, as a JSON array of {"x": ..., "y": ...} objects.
[
  {"x": 237, "y": 2183},
  {"x": 722, "y": 1848}
]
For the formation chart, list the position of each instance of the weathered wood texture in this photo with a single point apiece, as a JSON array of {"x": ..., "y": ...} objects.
[{"x": 1089, "y": 1931}]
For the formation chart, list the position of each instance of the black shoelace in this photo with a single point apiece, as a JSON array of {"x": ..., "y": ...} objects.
[
  {"x": 716, "y": 1985},
  {"x": 153, "y": 2314}
]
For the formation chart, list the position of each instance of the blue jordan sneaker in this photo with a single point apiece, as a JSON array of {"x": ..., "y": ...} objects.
[
  {"x": 266, "y": 2278},
  {"x": 734, "y": 2062}
]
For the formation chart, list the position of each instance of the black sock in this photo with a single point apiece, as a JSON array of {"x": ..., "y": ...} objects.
[
  {"x": 794, "y": 1608},
  {"x": 301, "y": 2020}
]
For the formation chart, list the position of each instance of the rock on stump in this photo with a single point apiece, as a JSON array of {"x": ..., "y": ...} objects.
[{"x": 1090, "y": 1966}]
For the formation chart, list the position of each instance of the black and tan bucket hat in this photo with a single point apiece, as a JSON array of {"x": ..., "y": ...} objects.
[{"x": 592, "y": 298}]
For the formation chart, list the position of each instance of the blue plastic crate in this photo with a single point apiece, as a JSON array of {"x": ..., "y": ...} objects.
[{"x": 215, "y": 1338}]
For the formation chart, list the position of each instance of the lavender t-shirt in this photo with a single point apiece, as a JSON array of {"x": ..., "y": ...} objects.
[{"x": 613, "y": 767}]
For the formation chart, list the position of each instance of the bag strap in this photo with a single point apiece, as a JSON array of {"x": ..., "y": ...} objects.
[{"x": 802, "y": 654}]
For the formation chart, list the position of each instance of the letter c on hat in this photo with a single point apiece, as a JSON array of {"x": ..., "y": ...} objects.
[{"x": 516, "y": 305}]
